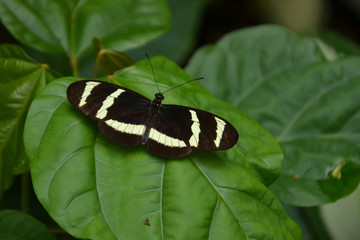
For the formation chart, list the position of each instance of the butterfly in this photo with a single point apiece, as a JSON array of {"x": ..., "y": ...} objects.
[{"x": 131, "y": 119}]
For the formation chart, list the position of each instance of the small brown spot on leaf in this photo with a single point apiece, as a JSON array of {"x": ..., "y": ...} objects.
[
  {"x": 296, "y": 176},
  {"x": 147, "y": 222}
]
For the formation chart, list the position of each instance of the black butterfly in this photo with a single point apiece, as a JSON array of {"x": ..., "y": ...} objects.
[{"x": 129, "y": 118}]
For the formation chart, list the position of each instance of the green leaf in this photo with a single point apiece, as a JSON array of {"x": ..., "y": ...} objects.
[
  {"x": 20, "y": 80},
  {"x": 340, "y": 44},
  {"x": 308, "y": 100},
  {"x": 15, "y": 225},
  {"x": 70, "y": 26},
  {"x": 178, "y": 43},
  {"x": 262, "y": 152},
  {"x": 97, "y": 189}
]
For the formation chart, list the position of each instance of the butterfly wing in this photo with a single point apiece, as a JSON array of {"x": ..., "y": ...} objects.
[
  {"x": 177, "y": 130},
  {"x": 129, "y": 118},
  {"x": 120, "y": 112}
]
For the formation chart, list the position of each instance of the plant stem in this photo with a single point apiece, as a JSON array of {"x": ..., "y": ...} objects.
[{"x": 74, "y": 66}]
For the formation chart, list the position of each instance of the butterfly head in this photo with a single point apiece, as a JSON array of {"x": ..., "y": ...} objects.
[{"x": 158, "y": 99}]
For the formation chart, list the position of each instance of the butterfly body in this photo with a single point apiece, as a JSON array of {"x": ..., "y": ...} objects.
[{"x": 131, "y": 119}]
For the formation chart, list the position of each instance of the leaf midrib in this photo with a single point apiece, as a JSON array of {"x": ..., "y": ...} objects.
[
  {"x": 219, "y": 194},
  {"x": 308, "y": 104},
  {"x": 38, "y": 19},
  {"x": 21, "y": 114}
]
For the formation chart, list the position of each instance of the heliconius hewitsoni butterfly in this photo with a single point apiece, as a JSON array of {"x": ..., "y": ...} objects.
[{"x": 129, "y": 118}]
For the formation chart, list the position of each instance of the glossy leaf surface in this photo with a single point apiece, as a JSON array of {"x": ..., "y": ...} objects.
[
  {"x": 70, "y": 26},
  {"x": 305, "y": 94},
  {"x": 98, "y": 189},
  {"x": 21, "y": 78}
]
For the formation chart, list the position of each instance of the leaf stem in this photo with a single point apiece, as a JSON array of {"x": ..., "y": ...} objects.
[
  {"x": 74, "y": 66},
  {"x": 96, "y": 66}
]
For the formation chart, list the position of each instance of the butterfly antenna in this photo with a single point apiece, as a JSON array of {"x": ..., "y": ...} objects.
[
  {"x": 196, "y": 79},
  {"x": 152, "y": 70}
]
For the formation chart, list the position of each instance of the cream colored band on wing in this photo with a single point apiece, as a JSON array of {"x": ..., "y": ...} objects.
[
  {"x": 220, "y": 126},
  {"x": 107, "y": 103},
  {"x": 165, "y": 140},
  {"x": 135, "y": 129},
  {"x": 87, "y": 91},
  {"x": 195, "y": 129}
]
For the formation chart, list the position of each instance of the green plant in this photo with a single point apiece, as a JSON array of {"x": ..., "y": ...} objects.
[{"x": 304, "y": 92}]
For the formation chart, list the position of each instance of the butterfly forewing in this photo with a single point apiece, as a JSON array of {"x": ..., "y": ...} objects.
[
  {"x": 129, "y": 118},
  {"x": 94, "y": 98},
  {"x": 216, "y": 133},
  {"x": 120, "y": 112}
]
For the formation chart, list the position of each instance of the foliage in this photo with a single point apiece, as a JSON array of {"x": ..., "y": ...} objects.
[
  {"x": 18, "y": 225},
  {"x": 301, "y": 90},
  {"x": 135, "y": 178},
  {"x": 21, "y": 79},
  {"x": 305, "y": 94}
]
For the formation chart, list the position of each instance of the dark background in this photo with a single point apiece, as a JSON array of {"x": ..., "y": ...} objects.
[{"x": 222, "y": 16}]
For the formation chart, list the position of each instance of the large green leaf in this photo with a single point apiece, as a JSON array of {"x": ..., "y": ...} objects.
[
  {"x": 98, "y": 189},
  {"x": 304, "y": 94},
  {"x": 15, "y": 225},
  {"x": 20, "y": 80},
  {"x": 70, "y": 26}
]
